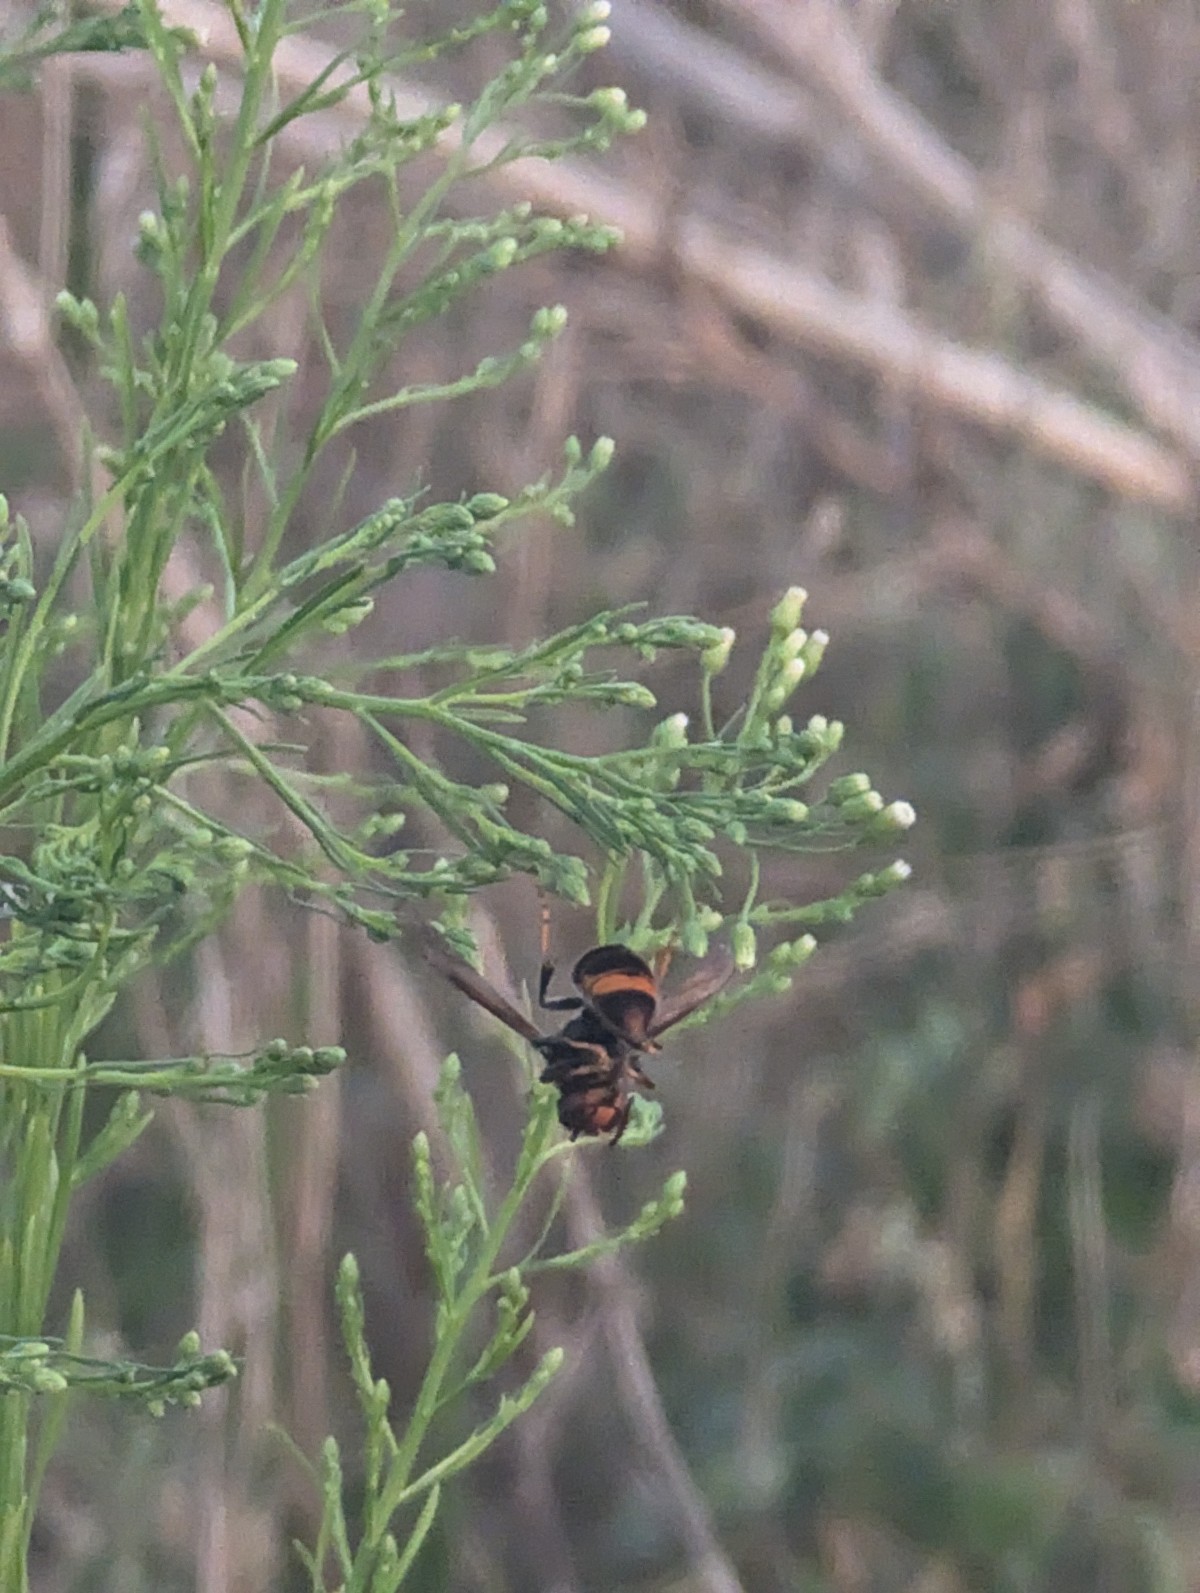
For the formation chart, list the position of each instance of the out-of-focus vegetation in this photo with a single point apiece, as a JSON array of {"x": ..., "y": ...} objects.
[{"x": 905, "y": 313}]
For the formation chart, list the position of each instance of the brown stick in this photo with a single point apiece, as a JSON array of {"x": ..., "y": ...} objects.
[{"x": 801, "y": 306}]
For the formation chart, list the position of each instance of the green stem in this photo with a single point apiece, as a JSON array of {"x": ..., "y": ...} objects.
[{"x": 451, "y": 1332}]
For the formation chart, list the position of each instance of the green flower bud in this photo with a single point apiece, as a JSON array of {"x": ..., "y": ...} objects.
[
  {"x": 502, "y": 254},
  {"x": 790, "y": 954},
  {"x": 785, "y": 616},
  {"x": 715, "y": 657},
  {"x": 485, "y": 505},
  {"x": 895, "y": 873},
  {"x": 671, "y": 732},
  {"x": 549, "y": 321},
  {"x": 745, "y": 945},
  {"x": 814, "y": 650},
  {"x": 631, "y": 694},
  {"x": 895, "y": 817},
  {"x": 232, "y": 849},
  {"x": 451, "y": 517},
  {"x": 792, "y": 645},
  {"x": 847, "y": 786},
  {"x": 610, "y": 101},
  {"x": 82, "y": 314},
  {"x": 788, "y": 679},
  {"x": 867, "y": 806},
  {"x": 786, "y": 810}
]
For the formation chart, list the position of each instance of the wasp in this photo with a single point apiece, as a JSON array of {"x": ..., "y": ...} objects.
[{"x": 595, "y": 1058}]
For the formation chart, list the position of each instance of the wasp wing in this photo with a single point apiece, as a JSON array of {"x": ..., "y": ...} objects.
[
  {"x": 464, "y": 978},
  {"x": 713, "y": 974}
]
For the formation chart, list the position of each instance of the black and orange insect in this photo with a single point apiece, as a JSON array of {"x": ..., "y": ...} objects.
[{"x": 594, "y": 1059}]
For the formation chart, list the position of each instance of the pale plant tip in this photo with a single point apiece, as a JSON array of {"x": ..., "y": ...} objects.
[
  {"x": 786, "y": 614},
  {"x": 713, "y": 659},
  {"x": 900, "y": 815},
  {"x": 793, "y": 643}
]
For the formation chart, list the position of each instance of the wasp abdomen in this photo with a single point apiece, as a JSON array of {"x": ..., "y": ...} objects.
[{"x": 620, "y": 986}]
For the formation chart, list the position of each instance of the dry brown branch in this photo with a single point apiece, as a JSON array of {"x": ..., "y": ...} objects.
[
  {"x": 706, "y": 74},
  {"x": 637, "y": 1392},
  {"x": 799, "y": 306},
  {"x": 1154, "y": 359},
  {"x": 25, "y": 334},
  {"x": 237, "y": 1294},
  {"x": 313, "y": 1136}
]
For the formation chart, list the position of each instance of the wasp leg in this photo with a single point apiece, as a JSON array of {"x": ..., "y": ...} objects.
[
  {"x": 558, "y": 1003},
  {"x": 623, "y": 1120}
]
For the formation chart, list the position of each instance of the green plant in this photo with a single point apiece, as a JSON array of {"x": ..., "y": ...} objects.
[{"x": 144, "y": 710}]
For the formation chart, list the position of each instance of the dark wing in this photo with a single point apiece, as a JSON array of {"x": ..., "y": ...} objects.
[
  {"x": 464, "y": 978},
  {"x": 712, "y": 975}
]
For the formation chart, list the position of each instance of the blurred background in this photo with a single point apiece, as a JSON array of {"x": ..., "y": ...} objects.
[{"x": 908, "y": 313}]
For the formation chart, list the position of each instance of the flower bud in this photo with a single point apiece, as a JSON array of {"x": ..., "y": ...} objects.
[
  {"x": 672, "y": 732},
  {"x": 895, "y": 873},
  {"x": 788, "y": 679},
  {"x": 786, "y": 614},
  {"x": 896, "y": 816},
  {"x": 792, "y": 645},
  {"x": 867, "y": 806},
  {"x": 814, "y": 650},
  {"x": 745, "y": 945},
  {"x": 714, "y": 657},
  {"x": 847, "y": 786}
]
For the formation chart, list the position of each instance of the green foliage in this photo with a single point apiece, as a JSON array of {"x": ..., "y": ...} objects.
[
  {"x": 482, "y": 1318},
  {"x": 144, "y": 765}
]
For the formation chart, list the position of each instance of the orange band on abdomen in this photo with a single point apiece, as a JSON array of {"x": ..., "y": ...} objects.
[{"x": 619, "y": 981}]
